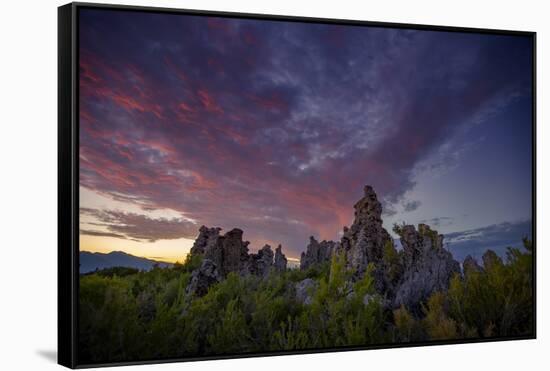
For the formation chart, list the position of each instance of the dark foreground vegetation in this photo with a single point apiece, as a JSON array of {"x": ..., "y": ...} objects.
[
  {"x": 358, "y": 291},
  {"x": 129, "y": 315}
]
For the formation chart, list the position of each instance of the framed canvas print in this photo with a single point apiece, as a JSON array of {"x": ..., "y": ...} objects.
[{"x": 236, "y": 185}]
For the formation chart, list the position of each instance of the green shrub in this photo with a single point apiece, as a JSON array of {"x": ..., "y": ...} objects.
[
  {"x": 128, "y": 315},
  {"x": 498, "y": 300}
]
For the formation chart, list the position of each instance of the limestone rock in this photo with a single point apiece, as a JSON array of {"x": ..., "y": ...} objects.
[
  {"x": 407, "y": 277},
  {"x": 305, "y": 290},
  {"x": 202, "y": 278},
  {"x": 428, "y": 267},
  {"x": 364, "y": 241},
  {"x": 223, "y": 254},
  {"x": 206, "y": 239},
  {"x": 261, "y": 263},
  {"x": 316, "y": 253},
  {"x": 229, "y": 252},
  {"x": 235, "y": 251},
  {"x": 414, "y": 243},
  {"x": 280, "y": 262}
]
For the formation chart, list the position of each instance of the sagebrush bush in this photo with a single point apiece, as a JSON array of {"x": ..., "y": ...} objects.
[{"x": 131, "y": 315}]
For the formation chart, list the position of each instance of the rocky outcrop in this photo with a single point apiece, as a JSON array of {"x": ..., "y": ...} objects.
[
  {"x": 407, "y": 277},
  {"x": 364, "y": 241},
  {"x": 224, "y": 254},
  {"x": 202, "y": 278},
  {"x": 305, "y": 290},
  {"x": 261, "y": 263},
  {"x": 316, "y": 253},
  {"x": 207, "y": 238},
  {"x": 229, "y": 252},
  {"x": 428, "y": 266},
  {"x": 280, "y": 262},
  {"x": 221, "y": 256}
]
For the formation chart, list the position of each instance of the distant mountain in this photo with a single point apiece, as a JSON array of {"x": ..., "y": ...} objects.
[{"x": 89, "y": 261}]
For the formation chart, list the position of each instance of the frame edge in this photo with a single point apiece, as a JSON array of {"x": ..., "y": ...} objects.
[
  {"x": 68, "y": 177},
  {"x": 66, "y": 339}
]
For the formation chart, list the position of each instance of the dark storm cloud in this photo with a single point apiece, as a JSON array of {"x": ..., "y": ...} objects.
[{"x": 274, "y": 127}]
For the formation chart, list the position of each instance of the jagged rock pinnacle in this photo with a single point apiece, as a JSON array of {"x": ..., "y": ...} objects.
[
  {"x": 316, "y": 252},
  {"x": 280, "y": 262},
  {"x": 207, "y": 237},
  {"x": 261, "y": 263},
  {"x": 364, "y": 241},
  {"x": 223, "y": 254},
  {"x": 406, "y": 277},
  {"x": 428, "y": 267}
]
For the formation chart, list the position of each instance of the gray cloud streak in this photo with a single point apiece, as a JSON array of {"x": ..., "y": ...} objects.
[{"x": 139, "y": 227}]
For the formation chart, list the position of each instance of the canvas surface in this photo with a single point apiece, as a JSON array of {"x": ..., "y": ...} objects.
[{"x": 252, "y": 186}]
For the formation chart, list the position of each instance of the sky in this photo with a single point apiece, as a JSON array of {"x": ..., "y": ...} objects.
[{"x": 274, "y": 127}]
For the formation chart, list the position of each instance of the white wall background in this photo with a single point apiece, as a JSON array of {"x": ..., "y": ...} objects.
[{"x": 28, "y": 155}]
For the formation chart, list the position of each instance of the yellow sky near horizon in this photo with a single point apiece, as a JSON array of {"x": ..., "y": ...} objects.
[
  {"x": 170, "y": 251},
  {"x": 167, "y": 250},
  {"x": 163, "y": 250}
]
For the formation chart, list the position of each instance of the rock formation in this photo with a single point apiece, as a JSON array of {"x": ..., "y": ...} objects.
[
  {"x": 364, "y": 241},
  {"x": 316, "y": 253},
  {"x": 207, "y": 238},
  {"x": 407, "y": 277},
  {"x": 202, "y": 278},
  {"x": 223, "y": 254},
  {"x": 428, "y": 266},
  {"x": 261, "y": 263},
  {"x": 229, "y": 252},
  {"x": 280, "y": 260}
]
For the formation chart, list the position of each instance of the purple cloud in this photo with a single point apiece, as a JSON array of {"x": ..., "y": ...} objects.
[{"x": 273, "y": 127}]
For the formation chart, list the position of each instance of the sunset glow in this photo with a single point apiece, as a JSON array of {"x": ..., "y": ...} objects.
[{"x": 275, "y": 127}]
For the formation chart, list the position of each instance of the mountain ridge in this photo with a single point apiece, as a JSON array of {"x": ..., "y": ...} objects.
[{"x": 91, "y": 261}]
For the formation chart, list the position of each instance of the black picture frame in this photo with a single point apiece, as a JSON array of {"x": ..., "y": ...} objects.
[{"x": 68, "y": 175}]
